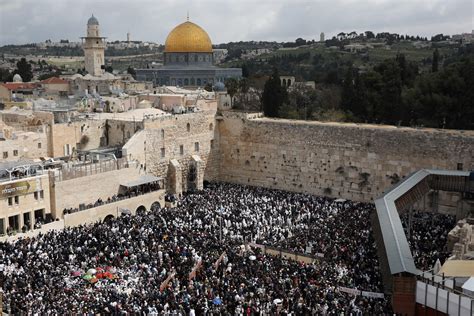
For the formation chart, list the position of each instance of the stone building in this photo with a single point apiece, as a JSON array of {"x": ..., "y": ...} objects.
[
  {"x": 188, "y": 60},
  {"x": 23, "y": 202},
  {"x": 94, "y": 47}
]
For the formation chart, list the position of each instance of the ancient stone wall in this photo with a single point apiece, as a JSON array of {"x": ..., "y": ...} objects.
[
  {"x": 180, "y": 137},
  {"x": 351, "y": 161}
]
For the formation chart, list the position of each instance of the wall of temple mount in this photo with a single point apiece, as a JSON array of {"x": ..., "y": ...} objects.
[
  {"x": 179, "y": 137},
  {"x": 350, "y": 161}
]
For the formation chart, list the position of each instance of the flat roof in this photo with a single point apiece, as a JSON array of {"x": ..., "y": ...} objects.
[
  {"x": 457, "y": 268},
  {"x": 142, "y": 180}
]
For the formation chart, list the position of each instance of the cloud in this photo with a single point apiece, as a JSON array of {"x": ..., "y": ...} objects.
[{"x": 25, "y": 21}]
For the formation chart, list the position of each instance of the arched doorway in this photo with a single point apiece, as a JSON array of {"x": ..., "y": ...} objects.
[
  {"x": 192, "y": 175},
  {"x": 108, "y": 218},
  {"x": 156, "y": 206},
  {"x": 140, "y": 210}
]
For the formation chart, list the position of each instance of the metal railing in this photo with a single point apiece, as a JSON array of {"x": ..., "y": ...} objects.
[
  {"x": 88, "y": 169},
  {"x": 436, "y": 295},
  {"x": 285, "y": 253}
]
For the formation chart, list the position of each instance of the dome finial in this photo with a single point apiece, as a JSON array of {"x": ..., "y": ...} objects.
[{"x": 187, "y": 17}]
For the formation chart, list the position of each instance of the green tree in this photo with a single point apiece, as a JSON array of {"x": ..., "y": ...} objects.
[
  {"x": 5, "y": 75},
  {"x": 24, "y": 70},
  {"x": 208, "y": 87},
  {"x": 369, "y": 34},
  {"x": 435, "y": 62},
  {"x": 131, "y": 71},
  {"x": 245, "y": 71},
  {"x": 274, "y": 95},
  {"x": 348, "y": 90},
  {"x": 232, "y": 86}
]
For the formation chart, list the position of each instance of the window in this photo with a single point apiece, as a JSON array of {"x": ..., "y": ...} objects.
[
  {"x": 41, "y": 194},
  {"x": 181, "y": 150},
  {"x": 212, "y": 143},
  {"x": 188, "y": 127},
  {"x": 196, "y": 146},
  {"x": 5, "y": 154},
  {"x": 460, "y": 166},
  {"x": 211, "y": 126},
  {"x": 162, "y": 152},
  {"x": 39, "y": 145},
  {"x": 17, "y": 200},
  {"x": 10, "y": 201},
  {"x": 35, "y": 194},
  {"x": 15, "y": 152},
  {"x": 162, "y": 134}
]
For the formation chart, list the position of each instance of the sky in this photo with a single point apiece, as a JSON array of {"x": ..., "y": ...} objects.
[{"x": 31, "y": 21}]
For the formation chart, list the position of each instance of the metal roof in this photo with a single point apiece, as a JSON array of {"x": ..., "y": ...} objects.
[
  {"x": 142, "y": 180},
  {"x": 397, "y": 249}
]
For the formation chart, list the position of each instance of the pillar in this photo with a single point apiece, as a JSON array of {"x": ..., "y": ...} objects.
[
  {"x": 175, "y": 177},
  {"x": 196, "y": 160}
]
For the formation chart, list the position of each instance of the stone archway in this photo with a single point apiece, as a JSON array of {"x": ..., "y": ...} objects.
[
  {"x": 155, "y": 206},
  {"x": 108, "y": 218},
  {"x": 140, "y": 210},
  {"x": 192, "y": 175}
]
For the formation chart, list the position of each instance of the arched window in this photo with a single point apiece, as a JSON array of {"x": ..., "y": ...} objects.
[
  {"x": 211, "y": 126},
  {"x": 188, "y": 127},
  {"x": 289, "y": 82},
  {"x": 192, "y": 81},
  {"x": 162, "y": 134},
  {"x": 186, "y": 82},
  {"x": 198, "y": 82},
  {"x": 284, "y": 82}
]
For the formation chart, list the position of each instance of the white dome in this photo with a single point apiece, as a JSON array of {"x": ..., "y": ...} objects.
[{"x": 17, "y": 78}]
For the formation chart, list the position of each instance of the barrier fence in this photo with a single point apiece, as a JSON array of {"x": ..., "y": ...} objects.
[
  {"x": 77, "y": 171},
  {"x": 357, "y": 292},
  {"x": 288, "y": 254},
  {"x": 443, "y": 298}
]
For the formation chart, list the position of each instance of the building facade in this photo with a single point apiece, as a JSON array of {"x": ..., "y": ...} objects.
[
  {"x": 24, "y": 202},
  {"x": 94, "y": 47},
  {"x": 188, "y": 60}
]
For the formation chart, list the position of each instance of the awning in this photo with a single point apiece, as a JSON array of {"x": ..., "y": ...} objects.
[
  {"x": 469, "y": 285},
  {"x": 457, "y": 268},
  {"x": 142, "y": 180}
]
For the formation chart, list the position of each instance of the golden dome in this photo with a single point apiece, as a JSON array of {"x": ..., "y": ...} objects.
[{"x": 188, "y": 38}]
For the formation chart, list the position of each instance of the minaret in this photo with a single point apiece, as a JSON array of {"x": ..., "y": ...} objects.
[{"x": 94, "y": 47}]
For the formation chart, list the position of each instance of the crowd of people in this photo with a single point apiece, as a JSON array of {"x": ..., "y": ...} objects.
[
  {"x": 428, "y": 237},
  {"x": 149, "y": 257}
]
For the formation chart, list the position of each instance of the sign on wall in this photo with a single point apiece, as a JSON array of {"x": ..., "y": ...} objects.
[{"x": 19, "y": 188}]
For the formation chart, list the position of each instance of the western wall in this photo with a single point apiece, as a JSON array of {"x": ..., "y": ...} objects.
[{"x": 350, "y": 161}]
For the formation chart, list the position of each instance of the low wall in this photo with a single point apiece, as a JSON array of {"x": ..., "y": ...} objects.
[
  {"x": 89, "y": 189},
  {"x": 99, "y": 213},
  {"x": 56, "y": 225}
]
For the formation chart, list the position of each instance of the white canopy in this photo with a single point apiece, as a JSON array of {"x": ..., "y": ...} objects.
[{"x": 469, "y": 285}]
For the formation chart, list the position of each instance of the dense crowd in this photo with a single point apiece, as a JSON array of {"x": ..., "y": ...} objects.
[
  {"x": 428, "y": 237},
  {"x": 119, "y": 266}
]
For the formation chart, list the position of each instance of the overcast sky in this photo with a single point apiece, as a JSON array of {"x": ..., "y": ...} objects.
[{"x": 27, "y": 21}]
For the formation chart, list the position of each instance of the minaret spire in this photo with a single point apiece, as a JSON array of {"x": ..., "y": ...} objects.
[{"x": 187, "y": 17}]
